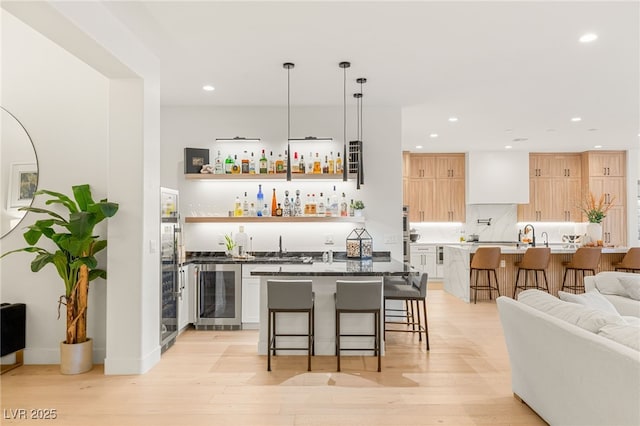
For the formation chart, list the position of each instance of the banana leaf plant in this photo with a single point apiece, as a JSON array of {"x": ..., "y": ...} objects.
[{"x": 76, "y": 246}]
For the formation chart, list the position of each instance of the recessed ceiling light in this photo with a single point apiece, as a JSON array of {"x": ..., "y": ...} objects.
[
  {"x": 598, "y": 146},
  {"x": 208, "y": 88},
  {"x": 419, "y": 146},
  {"x": 453, "y": 119},
  {"x": 433, "y": 135},
  {"x": 551, "y": 130},
  {"x": 508, "y": 130},
  {"x": 520, "y": 139},
  {"x": 588, "y": 38},
  {"x": 592, "y": 130},
  {"x": 508, "y": 147},
  {"x": 576, "y": 119}
]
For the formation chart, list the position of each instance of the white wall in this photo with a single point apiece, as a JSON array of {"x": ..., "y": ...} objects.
[
  {"x": 62, "y": 103},
  {"x": 198, "y": 127}
]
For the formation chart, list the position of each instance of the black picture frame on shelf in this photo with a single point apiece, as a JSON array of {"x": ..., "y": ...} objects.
[{"x": 194, "y": 159}]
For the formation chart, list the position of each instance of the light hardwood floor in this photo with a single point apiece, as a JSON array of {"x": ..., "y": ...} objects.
[{"x": 216, "y": 378}]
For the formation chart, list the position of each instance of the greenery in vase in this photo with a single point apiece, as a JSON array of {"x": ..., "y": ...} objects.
[
  {"x": 358, "y": 205},
  {"x": 596, "y": 211},
  {"x": 76, "y": 246}
]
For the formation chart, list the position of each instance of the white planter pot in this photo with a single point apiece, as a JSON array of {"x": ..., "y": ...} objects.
[
  {"x": 76, "y": 358},
  {"x": 594, "y": 232}
]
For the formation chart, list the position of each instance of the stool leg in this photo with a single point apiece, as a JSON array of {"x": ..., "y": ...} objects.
[
  {"x": 313, "y": 329},
  {"x": 564, "y": 279},
  {"x": 275, "y": 332},
  {"x": 495, "y": 275},
  {"x": 546, "y": 283},
  {"x": 384, "y": 312},
  {"x": 338, "y": 337},
  {"x": 475, "y": 289},
  {"x": 515, "y": 287},
  {"x": 269, "y": 341},
  {"x": 419, "y": 324},
  {"x": 489, "y": 284},
  {"x": 376, "y": 318},
  {"x": 426, "y": 324}
]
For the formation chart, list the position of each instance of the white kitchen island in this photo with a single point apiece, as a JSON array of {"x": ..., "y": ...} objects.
[{"x": 323, "y": 277}]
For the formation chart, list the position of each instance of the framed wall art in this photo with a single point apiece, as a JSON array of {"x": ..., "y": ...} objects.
[
  {"x": 194, "y": 159},
  {"x": 23, "y": 183}
]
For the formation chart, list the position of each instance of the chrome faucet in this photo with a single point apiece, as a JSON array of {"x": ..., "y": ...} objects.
[
  {"x": 533, "y": 232},
  {"x": 546, "y": 238},
  {"x": 280, "y": 246}
]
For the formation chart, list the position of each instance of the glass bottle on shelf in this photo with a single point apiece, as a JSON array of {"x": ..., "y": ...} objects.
[
  {"x": 278, "y": 210},
  {"x": 218, "y": 167},
  {"x": 286, "y": 210},
  {"x": 301, "y": 165},
  {"x": 313, "y": 208},
  {"x": 334, "y": 206},
  {"x": 237, "y": 207},
  {"x": 332, "y": 167},
  {"x": 244, "y": 163},
  {"x": 295, "y": 164},
  {"x": 274, "y": 203},
  {"x": 245, "y": 205},
  {"x": 344, "y": 207},
  {"x": 279, "y": 164},
  {"x": 228, "y": 165},
  {"x": 339, "y": 166},
  {"x": 310, "y": 163},
  {"x": 260, "y": 197},
  {"x": 271, "y": 164},
  {"x": 263, "y": 164},
  {"x": 252, "y": 210},
  {"x": 252, "y": 165},
  {"x": 297, "y": 205},
  {"x": 325, "y": 165},
  {"x": 328, "y": 212},
  {"x": 285, "y": 161},
  {"x": 235, "y": 168},
  {"x": 317, "y": 165},
  {"x": 321, "y": 208},
  {"x": 266, "y": 211},
  {"x": 352, "y": 210}
]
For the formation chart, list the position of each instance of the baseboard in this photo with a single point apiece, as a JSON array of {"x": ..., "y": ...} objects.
[{"x": 124, "y": 366}]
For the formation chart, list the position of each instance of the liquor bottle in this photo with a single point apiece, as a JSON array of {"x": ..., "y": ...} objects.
[
  {"x": 321, "y": 208},
  {"x": 228, "y": 165},
  {"x": 252, "y": 165},
  {"x": 286, "y": 210},
  {"x": 313, "y": 208},
  {"x": 242, "y": 242},
  {"x": 344, "y": 207},
  {"x": 285, "y": 161},
  {"x": 352, "y": 209},
  {"x": 317, "y": 166},
  {"x": 258, "y": 210},
  {"x": 301, "y": 166},
  {"x": 328, "y": 212},
  {"x": 244, "y": 168},
  {"x": 279, "y": 164},
  {"x": 218, "y": 167},
  {"x": 266, "y": 211},
  {"x": 325, "y": 165},
  {"x": 307, "y": 205},
  {"x": 278, "y": 210},
  {"x": 237, "y": 207},
  {"x": 274, "y": 203},
  {"x": 271, "y": 165},
  {"x": 235, "y": 168},
  {"x": 297, "y": 205},
  {"x": 245, "y": 205},
  {"x": 332, "y": 165},
  {"x": 310, "y": 163},
  {"x": 295, "y": 164},
  {"x": 260, "y": 197},
  {"x": 252, "y": 210},
  {"x": 334, "y": 206},
  {"x": 339, "y": 166},
  {"x": 263, "y": 164}
]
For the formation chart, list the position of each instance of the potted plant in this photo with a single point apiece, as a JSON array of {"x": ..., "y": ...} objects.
[
  {"x": 596, "y": 212},
  {"x": 358, "y": 208},
  {"x": 75, "y": 262}
]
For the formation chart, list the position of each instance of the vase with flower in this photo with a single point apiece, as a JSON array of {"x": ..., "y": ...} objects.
[{"x": 595, "y": 211}]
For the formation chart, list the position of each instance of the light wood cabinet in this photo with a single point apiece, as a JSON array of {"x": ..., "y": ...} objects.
[
  {"x": 613, "y": 189},
  {"x": 540, "y": 207},
  {"x": 435, "y": 189},
  {"x": 555, "y": 165},
  {"x": 406, "y": 158},
  {"x": 606, "y": 163},
  {"x": 613, "y": 227}
]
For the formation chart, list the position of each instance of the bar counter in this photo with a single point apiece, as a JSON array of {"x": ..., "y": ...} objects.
[
  {"x": 457, "y": 267},
  {"x": 323, "y": 277}
]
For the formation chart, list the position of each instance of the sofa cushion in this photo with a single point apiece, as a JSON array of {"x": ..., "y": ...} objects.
[
  {"x": 631, "y": 286},
  {"x": 591, "y": 299},
  {"x": 628, "y": 335},
  {"x": 608, "y": 283},
  {"x": 582, "y": 316},
  {"x": 631, "y": 320}
]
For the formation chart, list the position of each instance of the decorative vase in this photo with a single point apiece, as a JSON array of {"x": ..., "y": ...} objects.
[
  {"x": 358, "y": 212},
  {"x": 76, "y": 358},
  {"x": 594, "y": 232}
]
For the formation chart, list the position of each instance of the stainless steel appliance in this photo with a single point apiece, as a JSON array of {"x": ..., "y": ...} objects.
[
  {"x": 218, "y": 297},
  {"x": 406, "y": 237},
  {"x": 170, "y": 283}
]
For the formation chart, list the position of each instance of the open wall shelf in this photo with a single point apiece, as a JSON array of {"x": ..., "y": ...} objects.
[{"x": 271, "y": 219}]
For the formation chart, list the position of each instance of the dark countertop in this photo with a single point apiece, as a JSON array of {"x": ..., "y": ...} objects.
[
  {"x": 346, "y": 268},
  {"x": 288, "y": 258}
]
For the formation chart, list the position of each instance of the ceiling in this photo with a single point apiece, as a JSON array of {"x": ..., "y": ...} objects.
[{"x": 507, "y": 70}]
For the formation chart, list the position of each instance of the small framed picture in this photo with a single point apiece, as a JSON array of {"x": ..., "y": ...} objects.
[
  {"x": 194, "y": 159},
  {"x": 23, "y": 183}
]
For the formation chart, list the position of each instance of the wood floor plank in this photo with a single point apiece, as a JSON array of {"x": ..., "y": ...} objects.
[{"x": 216, "y": 378}]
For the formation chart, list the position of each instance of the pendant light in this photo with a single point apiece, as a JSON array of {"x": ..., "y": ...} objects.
[
  {"x": 356, "y": 146},
  {"x": 288, "y": 66},
  {"x": 361, "y": 81},
  {"x": 345, "y": 160}
]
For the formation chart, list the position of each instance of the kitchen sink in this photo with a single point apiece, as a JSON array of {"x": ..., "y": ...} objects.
[{"x": 283, "y": 259}]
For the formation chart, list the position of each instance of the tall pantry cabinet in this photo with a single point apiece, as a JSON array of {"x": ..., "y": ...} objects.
[
  {"x": 435, "y": 187},
  {"x": 606, "y": 175}
]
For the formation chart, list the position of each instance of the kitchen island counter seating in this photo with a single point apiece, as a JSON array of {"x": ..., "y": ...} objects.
[{"x": 324, "y": 277}]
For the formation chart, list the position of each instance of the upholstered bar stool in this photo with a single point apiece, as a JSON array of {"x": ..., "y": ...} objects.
[
  {"x": 484, "y": 259},
  {"x": 359, "y": 297},
  {"x": 630, "y": 262},
  {"x": 289, "y": 296},
  {"x": 408, "y": 311},
  {"x": 535, "y": 259},
  {"x": 412, "y": 291},
  {"x": 584, "y": 259}
]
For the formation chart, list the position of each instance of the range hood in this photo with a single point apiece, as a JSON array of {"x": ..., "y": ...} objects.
[{"x": 498, "y": 177}]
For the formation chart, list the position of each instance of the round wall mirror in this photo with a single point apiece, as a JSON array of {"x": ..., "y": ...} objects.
[{"x": 19, "y": 172}]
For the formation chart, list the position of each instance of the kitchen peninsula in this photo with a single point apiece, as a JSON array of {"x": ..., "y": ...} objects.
[
  {"x": 458, "y": 260},
  {"x": 324, "y": 276}
]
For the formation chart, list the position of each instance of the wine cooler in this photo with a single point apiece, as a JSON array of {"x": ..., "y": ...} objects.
[{"x": 218, "y": 297}]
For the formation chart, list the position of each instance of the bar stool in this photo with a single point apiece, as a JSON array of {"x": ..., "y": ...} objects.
[
  {"x": 412, "y": 291},
  {"x": 408, "y": 312},
  {"x": 535, "y": 259},
  {"x": 484, "y": 259},
  {"x": 289, "y": 296},
  {"x": 584, "y": 259},
  {"x": 360, "y": 297},
  {"x": 630, "y": 261}
]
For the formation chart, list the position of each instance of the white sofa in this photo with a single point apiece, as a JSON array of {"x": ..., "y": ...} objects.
[
  {"x": 567, "y": 374},
  {"x": 607, "y": 283}
]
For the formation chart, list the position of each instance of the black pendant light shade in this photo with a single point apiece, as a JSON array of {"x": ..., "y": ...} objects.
[
  {"x": 345, "y": 159},
  {"x": 288, "y": 66},
  {"x": 360, "y": 177}
]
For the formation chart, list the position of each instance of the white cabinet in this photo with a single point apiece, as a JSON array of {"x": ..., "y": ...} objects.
[
  {"x": 250, "y": 297},
  {"x": 423, "y": 258},
  {"x": 186, "y": 286}
]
